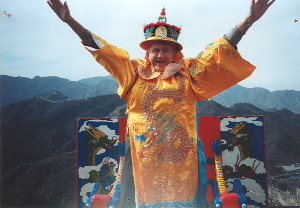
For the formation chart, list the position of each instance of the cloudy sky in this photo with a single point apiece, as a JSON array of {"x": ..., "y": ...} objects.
[{"x": 34, "y": 42}]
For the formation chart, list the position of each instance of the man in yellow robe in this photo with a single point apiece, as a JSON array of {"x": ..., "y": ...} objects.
[{"x": 162, "y": 92}]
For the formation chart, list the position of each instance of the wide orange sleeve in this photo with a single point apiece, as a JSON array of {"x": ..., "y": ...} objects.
[
  {"x": 117, "y": 62},
  {"x": 217, "y": 68}
]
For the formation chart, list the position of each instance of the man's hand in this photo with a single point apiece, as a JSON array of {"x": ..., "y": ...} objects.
[
  {"x": 61, "y": 10},
  {"x": 258, "y": 8}
]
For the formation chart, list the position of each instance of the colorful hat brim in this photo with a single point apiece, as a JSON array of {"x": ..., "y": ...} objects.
[{"x": 146, "y": 43}]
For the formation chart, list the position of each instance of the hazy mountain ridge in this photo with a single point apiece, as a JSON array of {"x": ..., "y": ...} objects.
[
  {"x": 38, "y": 147},
  {"x": 52, "y": 123},
  {"x": 100, "y": 86},
  {"x": 14, "y": 89},
  {"x": 260, "y": 97}
]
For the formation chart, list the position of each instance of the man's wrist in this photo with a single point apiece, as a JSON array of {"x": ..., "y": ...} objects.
[
  {"x": 245, "y": 24},
  {"x": 248, "y": 21},
  {"x": 69, "y": 20}
]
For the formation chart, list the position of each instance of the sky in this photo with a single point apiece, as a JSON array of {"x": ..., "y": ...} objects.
[{"x": 34, "y": 42}]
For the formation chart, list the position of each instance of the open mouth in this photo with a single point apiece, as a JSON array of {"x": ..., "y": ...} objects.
[
  {"x": 160, "y": 65},
  {"x": 160, "y": 62}
]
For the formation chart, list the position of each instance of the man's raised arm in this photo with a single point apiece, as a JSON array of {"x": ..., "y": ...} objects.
[
  {"x": 257, "y": 10},
  {"x": 63, "y": 12}
]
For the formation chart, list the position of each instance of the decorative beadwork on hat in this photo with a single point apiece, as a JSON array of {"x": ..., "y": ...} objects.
[{"x": 161, "y": 31}]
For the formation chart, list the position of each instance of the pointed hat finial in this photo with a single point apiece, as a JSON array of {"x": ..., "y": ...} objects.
[
  {"x": 162, "y": 17},
  {"x": 163, "y": 11}
]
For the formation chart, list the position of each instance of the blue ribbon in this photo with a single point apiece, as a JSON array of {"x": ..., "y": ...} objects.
[{"x": 202, "y": 182}]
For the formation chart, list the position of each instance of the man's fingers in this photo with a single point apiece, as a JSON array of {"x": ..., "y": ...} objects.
[
  {"x": 53, "y": 7},
  {"x": 270, "y": 3},
  {"x": 50, "y": 5},
  {"x": 66, "y": 6},
  {"x": 57, "y": 3},
  {"x": 53, "y": 3}
]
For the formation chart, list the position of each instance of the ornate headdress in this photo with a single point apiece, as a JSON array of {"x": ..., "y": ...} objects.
[{"x": 161, "y": 31}]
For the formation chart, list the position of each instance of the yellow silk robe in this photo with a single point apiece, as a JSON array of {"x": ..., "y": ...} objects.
[{"x": 162, "y": 116}]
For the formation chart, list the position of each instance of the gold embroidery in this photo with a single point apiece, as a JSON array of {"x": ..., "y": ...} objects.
[
  {"x": 166, "y": 188},
  {"x": 147, "y": 72},
  {"x": 192, "y": 67},
  {"x": 222, "y": 68},
  {"x": 163, "y": 129},
  {"x": 231, "y": 53}
]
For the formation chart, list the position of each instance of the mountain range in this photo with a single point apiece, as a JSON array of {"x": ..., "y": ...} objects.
[
  {"x": 38, "y": 148},
  {"x": 14, "y": 89},
  {"x": 38, "y": 144}
]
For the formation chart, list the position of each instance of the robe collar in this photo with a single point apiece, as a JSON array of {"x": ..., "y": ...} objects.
[{"x": 148, "y": 72}]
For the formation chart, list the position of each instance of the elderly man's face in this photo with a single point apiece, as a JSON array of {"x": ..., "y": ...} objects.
[{"x": 161, "y": 54}]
